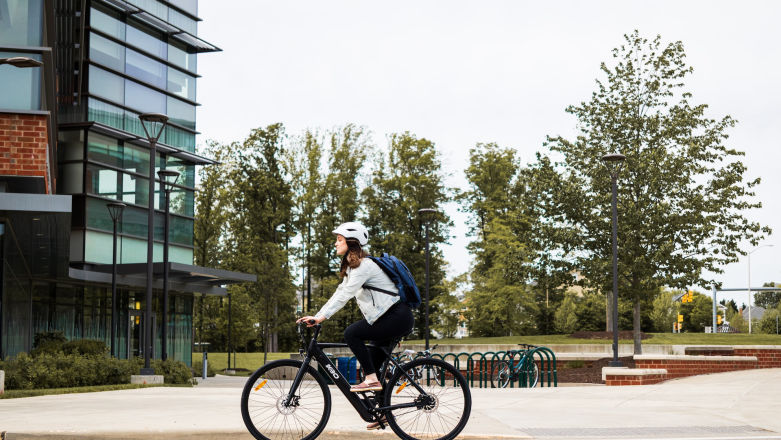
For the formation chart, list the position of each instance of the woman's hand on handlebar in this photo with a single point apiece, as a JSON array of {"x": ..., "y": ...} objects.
[{"x": 310, "y": 321}]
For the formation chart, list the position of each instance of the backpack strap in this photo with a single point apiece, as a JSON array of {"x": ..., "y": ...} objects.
[{"x": 387, "y": 292}]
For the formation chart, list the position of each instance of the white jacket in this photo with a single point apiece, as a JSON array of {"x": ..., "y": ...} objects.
[{"x": 372, "y": 303}]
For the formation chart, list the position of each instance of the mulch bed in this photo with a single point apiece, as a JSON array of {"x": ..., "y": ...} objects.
[{"x": 592, "y": 373}]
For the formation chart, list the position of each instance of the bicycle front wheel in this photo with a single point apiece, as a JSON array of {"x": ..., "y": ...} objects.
[
  {"x": 441, "y": 413},
  {"x": 266, "y": 413},
  {"x": 500, "y": 374}
]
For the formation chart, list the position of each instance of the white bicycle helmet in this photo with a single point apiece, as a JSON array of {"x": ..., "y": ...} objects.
[{"x": 353, "y": 230}]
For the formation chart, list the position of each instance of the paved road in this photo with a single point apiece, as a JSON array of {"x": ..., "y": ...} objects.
[{"x": 737, "y": 405}]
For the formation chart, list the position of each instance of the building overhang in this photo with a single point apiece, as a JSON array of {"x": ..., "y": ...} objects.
[
  {"x": 181, "y": 277},
  {"x": 97, "y": 127},
  {"x": 195, "y": 44}
]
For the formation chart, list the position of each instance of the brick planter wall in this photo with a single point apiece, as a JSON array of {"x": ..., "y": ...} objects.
[
  {"x": 23, "y": 145},
  {"x": 633, "y": 376},
  {"x": 766, "y": 357},
  {"x": 686, "y": 365}
]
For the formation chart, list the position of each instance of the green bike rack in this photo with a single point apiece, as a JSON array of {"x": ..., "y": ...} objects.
[{"x": 478, "y": 366}]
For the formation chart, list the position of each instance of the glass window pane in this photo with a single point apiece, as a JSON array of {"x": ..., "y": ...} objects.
[
  {"x": 102, "y": 182},
  {"x": 178, "y": 56},
  {"x": 147, "y": 40},
  {"x": 145, "y": 69},
  {"x": 176, "y": 137},
  {"x": 189, "y": 6},
  {"x": 136, "y": 159},
  {"x": 143, "y": 99},
  {"x": 182, "y": 202},
  {"x": 108, "y": 114},
  {"x": 104, "y": 149},
  {"x": 133, "y": 124},
  {"x": 106, "y": 52},
  {"x": 106, "y": 85},
  {"x": 186, "y": 172},
  {"x": 20, "y": 89},
  {"x": 181, "y": 230},
  {"x": 21, "y": 22},
  {"x": 182, "y": 21},
  {"x": 181, "y": 113},
  {"x": 181, "y": 84},
  {"x": 107, "y": 22}
]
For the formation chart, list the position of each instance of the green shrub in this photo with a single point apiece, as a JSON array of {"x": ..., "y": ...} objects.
[
  {"x": 198, "y": 369},
  {"x": 48, "y": 342},
  {"x": 60, "y": 370},
  {"x": 174, "y": 372},
  {"x": 85, "y": 347}
]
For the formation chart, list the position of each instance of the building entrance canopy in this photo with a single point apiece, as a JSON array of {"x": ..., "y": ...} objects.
[{"x": 181, "y": 277}]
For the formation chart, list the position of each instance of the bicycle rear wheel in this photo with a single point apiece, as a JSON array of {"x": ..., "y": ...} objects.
[
  {"x": 265, "y": 413},
  {"x": 531, "y": 372},
  {"x": 442, "y": 415},
  {"x": 500, "y": 374}
]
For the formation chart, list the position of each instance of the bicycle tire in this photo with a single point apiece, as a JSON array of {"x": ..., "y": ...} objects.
[
  {"x": 532, "y": 374},
  {"x": 500, "y": 374},
  {"x": 449, "y": 412},
  {"x": 264, "y": 415}
]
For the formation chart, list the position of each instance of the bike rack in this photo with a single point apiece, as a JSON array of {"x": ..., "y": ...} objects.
[{"x": 478, "y": 366}]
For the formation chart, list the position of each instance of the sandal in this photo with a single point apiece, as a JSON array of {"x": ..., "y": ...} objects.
[
  {"x": 366, "y": 386},
  {"x": 376, "y": 425}
]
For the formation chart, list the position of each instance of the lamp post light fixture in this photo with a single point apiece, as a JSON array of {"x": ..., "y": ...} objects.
[
  {"x": 167, "y": 179},
  {"x": 115, "y": 211},
  {"x": 153, "y": 124},
  {"x": 422, "y": 212},
  {"x": 749, "y": 282},
  {"x": 21, "y": 62},
  {"x": 614, "y": 162}
]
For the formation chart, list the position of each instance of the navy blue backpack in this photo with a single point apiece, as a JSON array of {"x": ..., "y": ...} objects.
[{"x": 398, "y": 273}]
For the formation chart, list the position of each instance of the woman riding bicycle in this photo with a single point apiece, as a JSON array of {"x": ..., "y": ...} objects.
[{"x": 385, "y": 316}]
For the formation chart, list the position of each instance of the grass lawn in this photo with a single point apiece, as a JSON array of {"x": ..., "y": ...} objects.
[
  {"x": 12, "y": 394},
  {"x": 656, "y": 338},
  {"x": 249, "y": 361}
]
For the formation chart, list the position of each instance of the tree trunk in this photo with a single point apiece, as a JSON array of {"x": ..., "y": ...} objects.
[{"x": 636, "y": 327}]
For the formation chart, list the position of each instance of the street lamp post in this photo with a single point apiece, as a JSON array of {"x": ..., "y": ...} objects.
[
  {"x": 21, "y": 62},
  {"x": 614, "y": 163},
  {"x": 153, "y": 124},
  {"x": 115, "y": 210},
  {"x": 425, "y": 223},
  {"x": 749, "y": 282},
  {"x": 167, "y": 179}
]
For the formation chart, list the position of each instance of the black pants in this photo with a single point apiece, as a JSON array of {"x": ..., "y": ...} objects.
[{"x": 394, "y": 323}]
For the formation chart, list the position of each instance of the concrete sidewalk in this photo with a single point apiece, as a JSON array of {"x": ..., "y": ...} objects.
[{"x": 745, "y": 404}]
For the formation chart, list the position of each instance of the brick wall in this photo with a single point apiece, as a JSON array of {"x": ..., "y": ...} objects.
[
  {"x": 766, "y": 358},
  {"x": 646, "y": 379},
  {"x": 24, "y": 145},
  {"x": 690, "y": 366}
]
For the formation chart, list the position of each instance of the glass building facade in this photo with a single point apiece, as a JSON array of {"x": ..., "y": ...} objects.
[{"x": 109, "y": 61}]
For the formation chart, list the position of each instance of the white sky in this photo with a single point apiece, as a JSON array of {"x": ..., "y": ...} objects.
[{"x": 459, "y": 72}]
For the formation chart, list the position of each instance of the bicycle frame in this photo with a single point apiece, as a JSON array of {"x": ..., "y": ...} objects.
[{"x": 366, "y": 406}]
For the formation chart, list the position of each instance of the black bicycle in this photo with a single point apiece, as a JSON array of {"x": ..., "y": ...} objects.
[{"x": 289, "y": 399}]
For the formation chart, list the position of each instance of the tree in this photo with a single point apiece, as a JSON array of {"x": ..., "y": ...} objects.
[
  {"x": 451, "y": 306},
  {"x": 259, "y": 228},
  {"x": 209, "y": 230},
  {"x": 682, "y": 195},
  {"x": 697, "y": 314},
  {"x": 409, "y": 177},
  {"x": 665, "y": 311},
  {"x": 566, "y": 317},
  {"x": 768, "y": 299}
]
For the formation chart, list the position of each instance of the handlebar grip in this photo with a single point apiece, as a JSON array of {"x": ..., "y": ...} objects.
[{"x": 311, "y": 321}]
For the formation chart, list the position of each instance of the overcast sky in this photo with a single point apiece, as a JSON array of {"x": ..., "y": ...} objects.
[{"x": 459, "y": 72}]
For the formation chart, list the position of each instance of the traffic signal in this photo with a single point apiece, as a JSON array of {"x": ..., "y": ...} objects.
[
  {"x": 719, "y": 319},
  {"x": 680, "y": 318}
]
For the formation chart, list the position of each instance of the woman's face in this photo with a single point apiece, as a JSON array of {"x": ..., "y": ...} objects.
[{"x": 341, "y": 245}]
